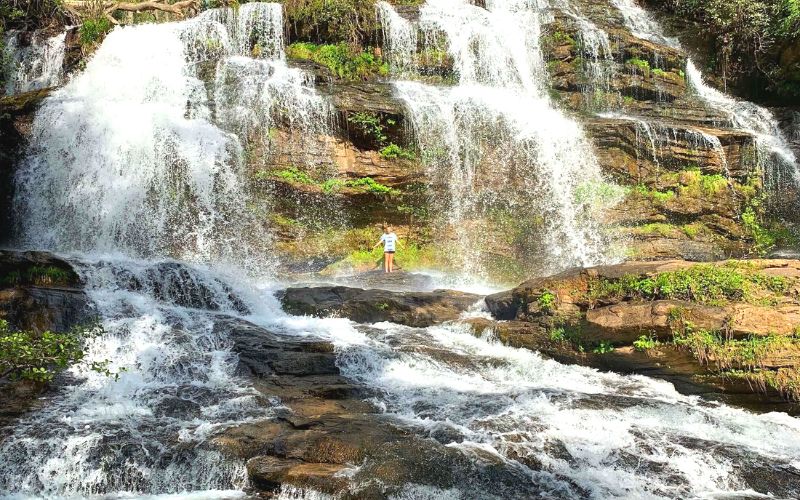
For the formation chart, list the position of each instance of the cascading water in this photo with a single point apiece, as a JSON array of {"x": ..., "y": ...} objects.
[
  {"x": 776, "y": 158},
  {"x": 140, "y": 157},
  {"x": 494, "y": 141},
  {"x": 35, "y": 66}
]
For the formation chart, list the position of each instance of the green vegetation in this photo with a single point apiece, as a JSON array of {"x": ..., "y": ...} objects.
[
  {"x": 368, "y": 124},
  {"x": 643, "y": 65},
  {"x": 653, "y": 194},
  {"x": 645, "y": 343},
  {"x": 93, "y": 30},
  {"x": 332, "y": 21},
  {"x": 659, "y": 72},
  {"x": 39, "y": 275},
  {"x": 703, "y": 283},
  {"x": 370, "y": 185},
  {"x": 329, "y": 186},
  {"x": 658, "y": 228},
  {"x": 547, "y": 301},
  {"x": 393, "y": 151},
  {"x": 696, "y": 183},
  {"x": 40, "y": 356},
  {"x": 343, "y": 60},
  {"x": 603, "y": 347}
]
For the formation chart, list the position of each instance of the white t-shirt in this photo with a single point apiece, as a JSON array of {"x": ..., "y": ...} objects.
[{"x": 388, "y": 241}]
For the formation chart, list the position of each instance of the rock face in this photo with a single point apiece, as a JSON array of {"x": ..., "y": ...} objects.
[
  {"x": 730, "y": 325},
  {"x": 38, "y": 292},
  {"x": 417, "y": 309}
]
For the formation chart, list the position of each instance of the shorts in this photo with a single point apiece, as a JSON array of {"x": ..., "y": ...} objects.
[{"x": 388, "y": 251}]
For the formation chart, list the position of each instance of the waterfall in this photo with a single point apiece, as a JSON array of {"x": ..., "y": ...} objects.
[
  {"x": 35, "y": 66},
  {"x": 136, "y": 155},
  {"x": 776, "y": 158},
  {"x": 494, "y": 142},
  {"x": 399, "y": 37}
]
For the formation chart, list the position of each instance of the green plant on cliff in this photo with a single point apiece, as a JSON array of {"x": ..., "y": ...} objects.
[
  {"x": 343, "y": 60},
  {"x": 393, "y": 151},
  {"x": 372, "y": 186},
  {"x": 369, "y": 124},
  {"x": 641, "y": 64},
  {"x": 294, "y": 175},
  {"x": 40, "y": 356},
  {"x": 604, "y": 347},
  {"x": 645, "y": 343},
  {"x": 547, "y": 301},
  {"x": 93, "y": 30}
]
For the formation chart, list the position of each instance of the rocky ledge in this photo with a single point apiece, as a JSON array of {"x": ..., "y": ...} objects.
[
  {"x": 38, "y": 292},
  {"x": 417, "y": 309},
  {"x": 730, "y": 326}
]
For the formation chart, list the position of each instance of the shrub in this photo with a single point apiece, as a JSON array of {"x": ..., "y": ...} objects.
[
  {"x": 39, "y": 357},
  {"x": 547, "y": 301},
  {"x": 371, "y": 185},
  {"x": 645, "y": 343},
  {"x": 643, "y": 65},
  {"x": 93, "y": 30},
  {"x": 343, "y": 61},
  {"x": 393, "y": 151},
  {"x": 332, "y": 21}
]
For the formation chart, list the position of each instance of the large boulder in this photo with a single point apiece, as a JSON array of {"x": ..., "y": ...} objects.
[{"x": 417, "y": 309}]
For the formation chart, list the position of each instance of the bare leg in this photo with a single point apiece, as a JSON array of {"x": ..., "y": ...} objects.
[
  {"x": 391, "y": 262},
  {"x": 386, "y": 258}
]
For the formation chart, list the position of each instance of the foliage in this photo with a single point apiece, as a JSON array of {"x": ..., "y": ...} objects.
[
  {"x": 369, "y": 124},
  {"x": 643, "y": 65},
  {"x": 332, "y": 21},
  {"x": 39, "y": 275},
  {"x": 31, "y": 14},
  {"x": 645, "y": 343},
  {"x": 702, "y": 283},
  {"x": 292, "y": 174},
  {"x": 344, "y": 61},
  {"x": 547, "y": 301},
  {"x": 603, "y": 347},
  {"x": 371, "y": 185},
  {"x": 39, "y": 357},
  {"x": 93, "y": 30},
  {"x": 393, "y": 151},
  {"x": 746, "y": 37}
]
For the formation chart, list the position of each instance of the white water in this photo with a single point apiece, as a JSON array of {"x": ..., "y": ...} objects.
[
  {"x": 132, "y": 156},
  {"x": 776, "y": 158},
  {"x": 495, "y": 142},
  {"x": 35, "y": 66}
]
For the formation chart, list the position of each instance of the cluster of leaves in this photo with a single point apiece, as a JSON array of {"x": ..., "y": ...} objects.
[
  {"x": 343, "y": 60},
  {"x": 40, "y": 356},
  {"x": 393, "y": 152},
  {"x": 701, "y": 283},
  {"x": 93, "y": 30}
]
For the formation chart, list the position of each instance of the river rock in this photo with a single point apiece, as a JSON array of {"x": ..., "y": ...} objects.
[{"x": 417, "y": 309}]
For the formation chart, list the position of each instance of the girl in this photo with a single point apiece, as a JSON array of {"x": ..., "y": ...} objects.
[{"x": 389, "y": 240}]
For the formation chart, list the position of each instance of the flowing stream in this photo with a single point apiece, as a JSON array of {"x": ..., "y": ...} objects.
[
  {"x": 149, "y": 204},
  {"x": 37, "y": 65}
]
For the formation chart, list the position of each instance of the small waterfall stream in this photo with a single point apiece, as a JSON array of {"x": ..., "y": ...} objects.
[
  {"x": 38, "y": 65},
  {"x": 494, "y": 140}
]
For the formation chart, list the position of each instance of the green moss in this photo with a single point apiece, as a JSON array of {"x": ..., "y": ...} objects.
[
  {"x": 695, "y": 183},
  {"x": 40, "y": 275},
  {"x": 293, "y": 175},
  {"x": 343, "y": 61},
  {"x": 659, "y": 72},
  {"x": 655, "y": 195},
  {"x": 370, "y": 185},
  {"x": 658, "y": 228}
]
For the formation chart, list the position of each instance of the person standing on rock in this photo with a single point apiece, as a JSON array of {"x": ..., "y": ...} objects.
[{"x": 389, "y": 240}]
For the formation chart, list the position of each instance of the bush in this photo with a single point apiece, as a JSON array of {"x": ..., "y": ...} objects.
[
  {"x": 93, "y": 30},
  {"x": 343, "y": 61},
  {"x": 39, "y": 357},
  {"x": 393, "y": 151}
]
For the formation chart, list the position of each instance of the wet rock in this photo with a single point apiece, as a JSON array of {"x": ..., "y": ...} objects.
[
  {"x": 746, "y": 345},
  {"x": 39, "y": 291},
  {"x": 418, "y": 309}
]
